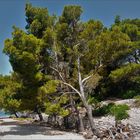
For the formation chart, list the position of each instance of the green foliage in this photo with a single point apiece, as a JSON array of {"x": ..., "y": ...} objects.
[
  {"x": 28, "y": 59},
  {"x": 124, "y": 71},
  {"x": 92, "y": 100},
  {"x": 64, "y": 112},
  {"x": 37, "y": 19},
  {"x": 103, "y": 110},
  {"x": 131, "y": 30},
  {"x": 117, "y": 19},
  {"x": 91, "y": 30},
  {"x": 56, "y": 106},
  {"x": 70, "y": 14},
  {"x": 9, "y": 88},
  {"x": 137, "y": 101},
  {"x": 113, "y": 43},
  {"x": 47, "y": 89},
  {"x": 51, "y": 42},
  {"x": 120, "y": 111},
  {"x": 129, "y": 94}
]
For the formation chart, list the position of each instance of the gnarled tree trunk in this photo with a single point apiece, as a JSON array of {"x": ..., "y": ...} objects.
[
  {"x": 40, "y": 116},
  {"x": 15, "y": 113},
  {"x": 87, "y": 106},
  {"x": 81, "y": 124},
  {"x": 90, "y": 117},
  {"x": 81, "y": 94},
  {"x": 39, "y": 113}
]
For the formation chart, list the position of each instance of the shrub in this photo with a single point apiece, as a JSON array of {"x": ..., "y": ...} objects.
[
  {"x": 93, "y": 101},
  {"x": 103, "y": 110},
  {"x": 129, "y": 94},
  {"x": 119, "y": 111},
  {"x": 100, "y": 111},
  {"x": 137, "y": 101}
]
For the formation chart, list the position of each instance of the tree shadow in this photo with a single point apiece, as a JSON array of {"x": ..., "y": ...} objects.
[{"x": 27, "y": 129}]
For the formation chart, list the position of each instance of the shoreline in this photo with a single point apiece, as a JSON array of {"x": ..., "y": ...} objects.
[{"x": 4, "y": 117}]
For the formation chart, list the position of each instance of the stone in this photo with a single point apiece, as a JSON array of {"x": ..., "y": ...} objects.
[
  {"x": 88, "y": 135},
  {"x": 94, "y": 137},
  {"x": 45, "y": 117}
]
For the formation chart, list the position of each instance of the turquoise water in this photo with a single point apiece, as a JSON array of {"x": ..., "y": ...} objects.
[{"x": 3, "y": 114}]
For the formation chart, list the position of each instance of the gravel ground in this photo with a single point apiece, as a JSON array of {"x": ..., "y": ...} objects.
[
  {"x": 14, "y": 130},
  {"x": 133, "y": 120}
]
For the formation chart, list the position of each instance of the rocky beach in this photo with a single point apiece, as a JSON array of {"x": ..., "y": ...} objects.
[{"x": 15, "y": 129}]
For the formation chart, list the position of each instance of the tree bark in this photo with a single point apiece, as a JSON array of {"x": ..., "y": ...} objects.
[
  {"x": 15, "y": 113},
  {"x": 81, "y": 94},
  {"x": 39, "y": 114},
  {"x": 81, "y": 125},
  {"x": 90, "y": 117},
  {"x": 87, "y": 106},
  {"x": 66, "y": 123}
]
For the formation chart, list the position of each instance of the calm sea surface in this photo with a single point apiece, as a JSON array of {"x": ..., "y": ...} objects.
[{"x": 2, "y": 114}]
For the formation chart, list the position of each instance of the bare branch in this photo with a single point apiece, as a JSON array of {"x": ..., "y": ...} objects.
[
  {"x": 58, "y": 73},
  {"x": 68, "y": 92},
  {"x": 79, "y": 78},
  {"x": 77, "y": 45},
  {"x": 85, "y": 79},
  {"x": 63, "y": 81},
  {"x": 69, "y": 85}
]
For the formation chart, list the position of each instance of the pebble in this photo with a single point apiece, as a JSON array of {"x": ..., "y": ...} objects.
[{"x": 133, "y": 120}]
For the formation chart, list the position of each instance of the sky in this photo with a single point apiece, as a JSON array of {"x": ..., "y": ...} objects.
[{"x": 12, "y": 13}]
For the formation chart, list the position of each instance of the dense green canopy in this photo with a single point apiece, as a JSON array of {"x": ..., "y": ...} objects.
[{"x": 61, "y": 62}]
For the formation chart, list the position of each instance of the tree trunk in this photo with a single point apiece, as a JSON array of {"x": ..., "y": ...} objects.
[
  {"x": 66, "y": 123},
  {"x": 91, "y": 122},
  {"x": 15, "y": 113},
  {"x": 90, "y": 117},
  {"x": 81, "y": 125},
  {"x": 40, "y": 116},
  {"x": 83, "y": 98}
]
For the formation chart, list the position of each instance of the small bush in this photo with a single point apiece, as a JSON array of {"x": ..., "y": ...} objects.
[
  {"x": 137, "y": 101},
  {"x": 100, "y": 111},
  {"x": 129, "y": 94},
  {"x": 103, "y": 110},
  {"x": 119, "y": 111},
  {"x": 92, "y": 100}
]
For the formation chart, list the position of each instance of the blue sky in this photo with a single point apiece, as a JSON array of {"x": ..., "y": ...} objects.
[{"x": 12, "y": 13}]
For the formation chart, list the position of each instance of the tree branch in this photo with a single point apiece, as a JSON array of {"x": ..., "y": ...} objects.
[
  {"x": 68, "y": 92},
  {"x": 63, "y": 81},
  {"x": 85, "y": 79},
  {"x": 79, "y": 78},
  {"x": 69, "y": 85},
  {"x": 58, "y": 73}
]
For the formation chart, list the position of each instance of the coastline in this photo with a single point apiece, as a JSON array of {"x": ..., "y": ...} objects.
[{"x": 4, "y": 115}]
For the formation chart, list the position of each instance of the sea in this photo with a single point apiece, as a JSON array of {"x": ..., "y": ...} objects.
[{"x": 3, "y": 114}]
